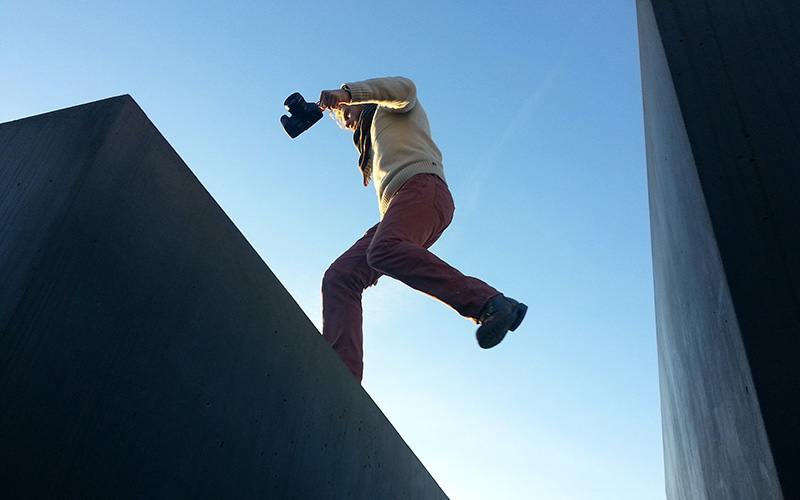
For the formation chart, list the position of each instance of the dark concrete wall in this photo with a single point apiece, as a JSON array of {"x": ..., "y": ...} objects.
[
  {"x": 722, "y": 126},
  {"x": 146, "y": 351}
]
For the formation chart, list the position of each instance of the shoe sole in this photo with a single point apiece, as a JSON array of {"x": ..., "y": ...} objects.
[{"x": 519, "y": 312}]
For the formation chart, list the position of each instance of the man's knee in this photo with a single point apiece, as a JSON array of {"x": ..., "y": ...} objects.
[
  {"x": 346, "y": 278},
  {"x": 333, "y": 277}
]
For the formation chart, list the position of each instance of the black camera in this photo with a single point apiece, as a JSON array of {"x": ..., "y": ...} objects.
[{"x": 304, "y": 115}]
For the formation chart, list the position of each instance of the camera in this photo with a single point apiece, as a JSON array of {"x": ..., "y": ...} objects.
[{"x": 304, "y": 115}]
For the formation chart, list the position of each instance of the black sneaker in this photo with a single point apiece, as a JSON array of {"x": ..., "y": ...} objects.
[{"x": 499, "y": 316}]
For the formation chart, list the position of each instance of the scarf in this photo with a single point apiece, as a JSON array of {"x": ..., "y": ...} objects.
[{"x": 363, "y": 140}]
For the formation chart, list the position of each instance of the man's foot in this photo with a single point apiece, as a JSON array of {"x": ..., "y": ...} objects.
[{"x": 499, "y": 316}]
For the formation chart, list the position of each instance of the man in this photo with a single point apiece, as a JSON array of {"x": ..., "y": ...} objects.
[{"x": 393, "y": 138}]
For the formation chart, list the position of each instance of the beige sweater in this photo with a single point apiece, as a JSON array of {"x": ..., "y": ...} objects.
[{"x": 401, "y": 136}]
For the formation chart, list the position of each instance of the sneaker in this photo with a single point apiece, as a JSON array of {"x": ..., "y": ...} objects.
[{"x": 499, "y": 316}]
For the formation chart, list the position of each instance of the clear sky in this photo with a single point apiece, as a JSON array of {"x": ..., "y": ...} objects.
[{"x": 536, "y": 106}]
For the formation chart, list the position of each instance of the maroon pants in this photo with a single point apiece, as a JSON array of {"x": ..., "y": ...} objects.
[{"x": 397, "y": 247}]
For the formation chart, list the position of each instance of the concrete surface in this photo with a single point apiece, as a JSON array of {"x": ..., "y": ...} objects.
[
  {"x": 722, "y": 126},
  {"x": 146, "y": 351}
]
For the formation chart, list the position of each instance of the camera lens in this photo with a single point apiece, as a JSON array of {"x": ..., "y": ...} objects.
[{"x": 295, "y": 103}]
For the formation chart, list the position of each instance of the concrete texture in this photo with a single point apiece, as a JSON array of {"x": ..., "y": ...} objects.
[
  {"x": 722, "y": 126},
  {"x": 146, "y": 351}
]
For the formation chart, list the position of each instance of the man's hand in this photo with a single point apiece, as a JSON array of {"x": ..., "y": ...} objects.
[{"x": 330, "y": 99}]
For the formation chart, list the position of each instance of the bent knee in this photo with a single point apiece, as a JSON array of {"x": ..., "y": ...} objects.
[
  {"x": 345, "y": 278},
  {"x": 332, "y": 277}
]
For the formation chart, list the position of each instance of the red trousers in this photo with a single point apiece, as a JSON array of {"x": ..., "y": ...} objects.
[{"x": 398, "y": 247}]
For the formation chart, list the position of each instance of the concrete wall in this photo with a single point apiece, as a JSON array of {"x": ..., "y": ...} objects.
[
  {"x": 722, "y": 126},
  {"x": 146, "y": 351}
]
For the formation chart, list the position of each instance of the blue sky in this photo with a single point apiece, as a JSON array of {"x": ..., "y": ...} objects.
[{"x": 536, "y": 107}]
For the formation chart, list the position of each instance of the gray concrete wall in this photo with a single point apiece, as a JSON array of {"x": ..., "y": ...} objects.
[
  {"x": 146, "y": 351},
  {"x": 722, "y": 126}
]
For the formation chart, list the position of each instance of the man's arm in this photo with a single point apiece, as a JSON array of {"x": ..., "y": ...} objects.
[{"x": 395, "y": 94}]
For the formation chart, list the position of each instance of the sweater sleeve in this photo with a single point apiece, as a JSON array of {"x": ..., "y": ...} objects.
[{"x": 397, "y": 94}]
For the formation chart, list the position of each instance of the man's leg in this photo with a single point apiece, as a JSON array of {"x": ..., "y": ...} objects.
[
  {"x": 418, "y": 214},
  {"x": 342, "y": 287}
]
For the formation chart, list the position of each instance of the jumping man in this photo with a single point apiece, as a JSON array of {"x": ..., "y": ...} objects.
[{"x": 393, "y": 138}]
